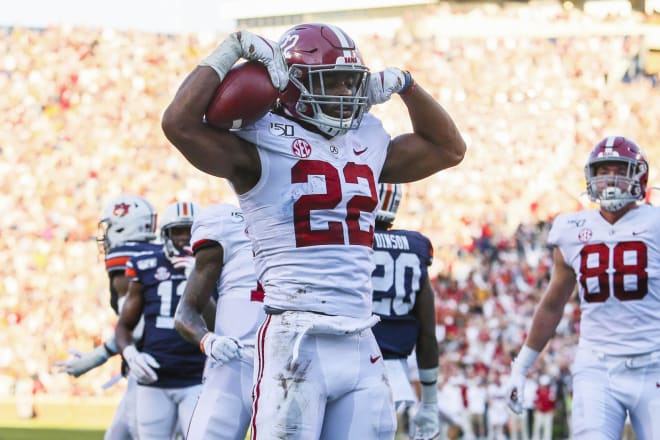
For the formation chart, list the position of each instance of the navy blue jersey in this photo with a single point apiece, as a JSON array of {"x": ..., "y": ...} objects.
[
  {"x": 118, "y": 256},
  {"x": 402, "y": 259},
  {"x": 181, "y": 363}
]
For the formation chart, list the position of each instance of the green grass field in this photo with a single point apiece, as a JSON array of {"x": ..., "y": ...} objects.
[
  {"x": 58, "y": 418},
  {"x": 36, "y": 433},
  {"x": 61, "y": 419}
]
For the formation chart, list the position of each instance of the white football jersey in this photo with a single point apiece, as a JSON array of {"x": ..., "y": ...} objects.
[
  {"x": 617, "y": 268},
  {"x": 240, "y": 307},
  {"x": 311, "y": 215}
]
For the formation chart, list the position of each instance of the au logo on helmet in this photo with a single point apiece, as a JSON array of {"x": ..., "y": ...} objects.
[{"x": 121, "y": 209}]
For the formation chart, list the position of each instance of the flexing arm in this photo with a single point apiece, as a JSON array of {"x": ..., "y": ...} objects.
[
  {"x": 214, "y": 151},
  {"x": 219, "y": 152},
  {"x": 434, "y": 144},
  {"x": 189, "y": 320}
]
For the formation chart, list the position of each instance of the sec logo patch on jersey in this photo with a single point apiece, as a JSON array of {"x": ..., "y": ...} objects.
[
  {"x": 301, "y": 148},
  {"x": 585, "y": 235}
]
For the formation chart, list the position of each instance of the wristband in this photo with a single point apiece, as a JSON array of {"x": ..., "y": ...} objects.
[
  {"x": 525, "y": 359},
  {"x": 111, "y": 346},
  {"x": 428, "y": 377},
  {"x": 409, "y": 84},
  {"x": 201, "y": 342}
]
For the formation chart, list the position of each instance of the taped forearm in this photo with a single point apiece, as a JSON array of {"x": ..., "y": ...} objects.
[
  {"x": 525, "y": 359},
  {"x": 111, "y": 346},
  {"x": 428, "y": 377}
]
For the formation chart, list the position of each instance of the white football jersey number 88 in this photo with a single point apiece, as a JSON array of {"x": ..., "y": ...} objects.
[{"x": 625, "y": 271}]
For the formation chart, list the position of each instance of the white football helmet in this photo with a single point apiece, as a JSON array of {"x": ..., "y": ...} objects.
[
  {"x": 389, "y": 196},
  {"x": 126, "y": 218},
  {"x": 176, "y": 215}
]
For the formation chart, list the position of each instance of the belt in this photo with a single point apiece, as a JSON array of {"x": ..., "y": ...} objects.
[{"x": 631, "y": 361}]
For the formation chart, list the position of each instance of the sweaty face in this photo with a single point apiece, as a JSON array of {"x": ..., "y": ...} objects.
[{"x": 336, "y": 85}]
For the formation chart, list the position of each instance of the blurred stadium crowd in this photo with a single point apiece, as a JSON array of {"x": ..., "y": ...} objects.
[{"x": 80, "y": 112}]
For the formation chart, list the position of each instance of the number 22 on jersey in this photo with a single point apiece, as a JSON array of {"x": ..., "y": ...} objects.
[{"x": 330, "y": 200}]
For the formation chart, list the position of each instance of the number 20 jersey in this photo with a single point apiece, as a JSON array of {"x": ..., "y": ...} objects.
[
  {"x": 617, "y": 268},
  {"x": 311, "y": 215},
  {"x": 402, "y": 259}
]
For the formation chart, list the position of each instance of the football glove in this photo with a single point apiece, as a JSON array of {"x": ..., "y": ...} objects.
[
  {"x": 221, "y": 349},
  {"x": 515, "y": 389},
  {"x": 245, "y": 44},
  {"x": 184, "y": 262},
  {"x": 383, "y": 84},
  {"x": 141, "y": 365},
  {"x": 80, "y": 363},
  {"x": 427, "y": 422}
]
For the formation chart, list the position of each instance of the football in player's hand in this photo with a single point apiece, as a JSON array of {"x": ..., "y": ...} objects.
[{"x": 245, "y": 95}]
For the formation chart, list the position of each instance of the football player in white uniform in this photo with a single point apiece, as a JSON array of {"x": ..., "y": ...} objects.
[
  {"x": 127, "y": 228},
  {"x": 224, "y": 267},
  {"x": 613, "y": 255},
  {"x": 306, "y": 176}
]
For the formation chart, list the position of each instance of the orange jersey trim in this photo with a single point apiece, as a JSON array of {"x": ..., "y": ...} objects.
[{"x": 116, "y": 262}]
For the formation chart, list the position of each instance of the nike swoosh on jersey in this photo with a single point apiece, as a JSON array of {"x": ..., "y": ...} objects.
[
  {"x": 357, "y": 153},
  {"x": 373, "y": 359}
]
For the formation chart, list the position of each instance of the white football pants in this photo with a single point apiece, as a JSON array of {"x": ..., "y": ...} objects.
[
  {"x": 319, "y": 386},
  {"x": 124, "y": 422},
  {"x": 158, "y": 410},
  {"x": 224, "y": 407},
  {"x": 606, "y": 387}
]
